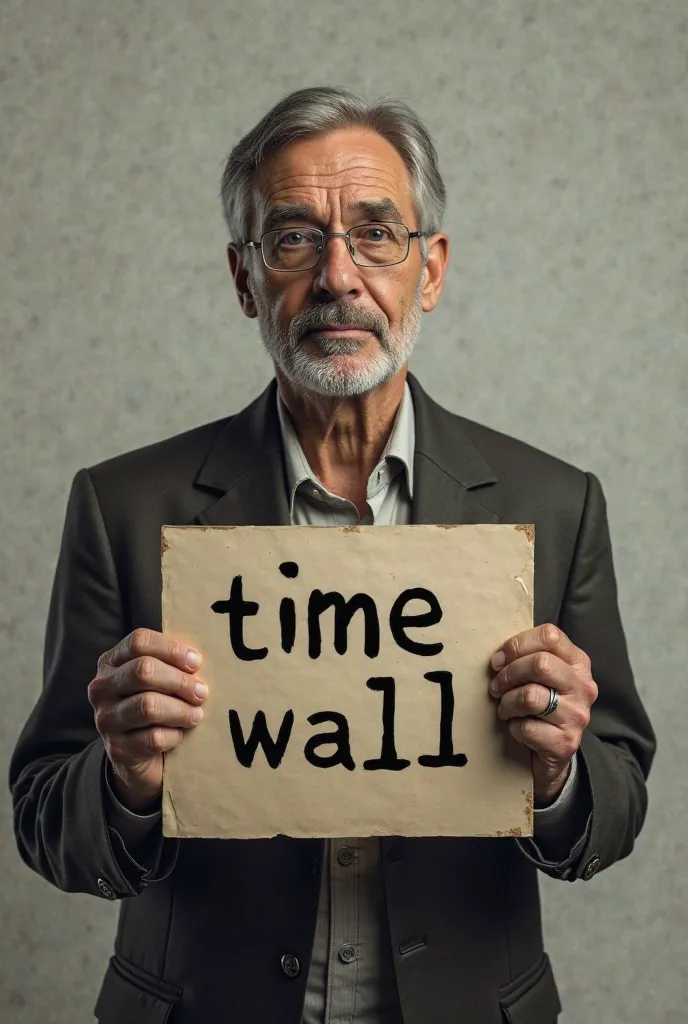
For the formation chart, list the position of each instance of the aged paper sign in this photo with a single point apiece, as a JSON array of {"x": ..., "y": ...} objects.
[{"x": 348, "y": 672}]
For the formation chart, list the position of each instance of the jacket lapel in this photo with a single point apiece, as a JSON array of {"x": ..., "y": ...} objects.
[
  {"x": 246, "y": 467},
  {"x": 447, "y": 467}
]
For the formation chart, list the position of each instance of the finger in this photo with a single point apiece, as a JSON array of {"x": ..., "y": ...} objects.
[
  {"x": 541, "y": 667},
  {"x": 547, "y": 637},
  {"x": 148, "y": 674},
  {"x": 150, "y": 708},
  {"x": 528, "y": 700},
  {"x": 549, "y": 742},
  {"x": 142, "y": 744},
  {"x": 150, "y": 643}
]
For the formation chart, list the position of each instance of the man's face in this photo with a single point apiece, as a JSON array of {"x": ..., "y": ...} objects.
[{"x": 337, "y": 329}]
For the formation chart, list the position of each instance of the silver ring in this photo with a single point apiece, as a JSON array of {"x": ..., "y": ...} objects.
[{"x": 552, "y": 706}]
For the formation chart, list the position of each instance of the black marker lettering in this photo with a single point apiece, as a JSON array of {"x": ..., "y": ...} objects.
[
  {"x": 287, "y": 617},
  {"x": 340, "y": 737},
  {"x": 398, "y": 622},
  {"x": 237, "y": 609},
  {"x": 446, "y": 757},
  {"x": 245, "y": 750},
  {"x": 343, "y": 613},
  {"x": 388, "y": 759},
  {"x": 287, "y": 611}
]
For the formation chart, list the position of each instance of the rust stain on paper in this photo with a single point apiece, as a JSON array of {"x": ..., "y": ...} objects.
[
  {"x": 528, "y": 529},
  {"x": 529, "y": 810}
]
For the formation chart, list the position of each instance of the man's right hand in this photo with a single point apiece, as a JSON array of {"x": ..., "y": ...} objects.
[{"x": 144, "y": 700}]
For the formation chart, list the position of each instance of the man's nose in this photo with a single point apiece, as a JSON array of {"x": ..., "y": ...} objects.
[{"x": 337, "y": 273}]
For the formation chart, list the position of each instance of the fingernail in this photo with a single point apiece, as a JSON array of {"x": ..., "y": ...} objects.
[
  {"x": 494, "y": 689},
  {"x": 196, "y": 714},
  {"x": 193, "y": 659},
  {"x": 201, "y": 690},
  {"x": 498, "y": 659}
]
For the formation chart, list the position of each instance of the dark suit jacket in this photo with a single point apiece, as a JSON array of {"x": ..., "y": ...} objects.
[{"x": 202, "y": 931}]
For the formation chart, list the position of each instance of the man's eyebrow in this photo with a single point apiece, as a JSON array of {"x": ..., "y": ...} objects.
[
  {"x": 283, "y": 212},
  {"x": 377, "y": 209},
  {"x": 368, "y": 209}
]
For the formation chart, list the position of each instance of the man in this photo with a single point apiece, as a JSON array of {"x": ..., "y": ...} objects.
[{"x": 334, "y": 210}]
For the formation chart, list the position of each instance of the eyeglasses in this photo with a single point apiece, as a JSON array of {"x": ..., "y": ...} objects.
[{"x": 295, "y": 249}]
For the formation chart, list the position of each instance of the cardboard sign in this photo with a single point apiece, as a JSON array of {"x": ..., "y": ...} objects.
[{"x": 348, "y": 671}]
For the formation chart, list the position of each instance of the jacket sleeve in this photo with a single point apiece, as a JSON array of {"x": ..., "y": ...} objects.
[
  {"x": 57, "y": 770},
  {"x": 619, "y": 744}
]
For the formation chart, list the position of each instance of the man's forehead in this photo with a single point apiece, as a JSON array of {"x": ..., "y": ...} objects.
[{"x": 356, "y": 166}]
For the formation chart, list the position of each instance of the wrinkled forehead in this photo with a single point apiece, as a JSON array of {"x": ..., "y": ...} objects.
[{"x": 345, "y": 176}]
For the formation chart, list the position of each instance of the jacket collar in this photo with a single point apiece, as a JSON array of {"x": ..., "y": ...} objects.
[{"x": 245, "y": 467}]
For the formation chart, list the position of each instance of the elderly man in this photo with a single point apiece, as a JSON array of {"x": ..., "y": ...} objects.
[{"x": 334, "y": 209}]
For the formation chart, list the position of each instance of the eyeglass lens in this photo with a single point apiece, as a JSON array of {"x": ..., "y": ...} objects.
[{"x": 299, "y": 248}]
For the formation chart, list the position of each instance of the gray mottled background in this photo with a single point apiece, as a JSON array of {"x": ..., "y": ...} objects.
[{"x": 563, "y": 135}]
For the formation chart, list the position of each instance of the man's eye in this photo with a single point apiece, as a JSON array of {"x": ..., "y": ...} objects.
[
  {"x": 292, "y": 238},
  {"x": 377, "y": 234}
]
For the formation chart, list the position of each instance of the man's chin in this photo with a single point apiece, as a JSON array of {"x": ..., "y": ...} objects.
[{"x": 339, "y": 376}]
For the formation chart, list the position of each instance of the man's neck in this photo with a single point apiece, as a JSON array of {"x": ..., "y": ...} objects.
[{"x": 343, "y": 438}]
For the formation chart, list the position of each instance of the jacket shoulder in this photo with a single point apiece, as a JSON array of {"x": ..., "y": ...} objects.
[
  {"x": 173, "y": 458},
  {"x": 478, "y": 454},
  {"x": 510, "y": 457}
]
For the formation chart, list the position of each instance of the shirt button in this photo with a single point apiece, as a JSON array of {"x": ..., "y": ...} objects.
[
  {"x": 106, "y": 890},
  {"x": 347, "y": 952},
  {"x": 345, "y": 856},
  {"x": 290, "y": 965},
  {"x": 591, "y": 868}
]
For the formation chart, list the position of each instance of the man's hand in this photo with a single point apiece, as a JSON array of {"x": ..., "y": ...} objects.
[
  {"x": 145, "y": 696},
  {"x": 528, "y": 664}
]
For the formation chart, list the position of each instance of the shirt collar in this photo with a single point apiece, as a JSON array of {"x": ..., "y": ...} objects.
[{"x": 401, "y": 445}]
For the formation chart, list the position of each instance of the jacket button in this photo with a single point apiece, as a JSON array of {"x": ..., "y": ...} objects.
[
  {"x": 591, "y": 868},
  {"x": 347, "y": 952},
  {"x": 345, "y": 856},
  {"x": 290, "y": 965},
  {"x": 106, "y": 890}
]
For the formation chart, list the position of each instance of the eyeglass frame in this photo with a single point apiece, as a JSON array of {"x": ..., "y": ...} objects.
[{"x": 335, "y": 234}]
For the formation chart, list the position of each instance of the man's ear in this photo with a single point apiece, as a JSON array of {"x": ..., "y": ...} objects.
[
  {"x": 240, "y": 275},
  {"x": 434, "y": 271}
]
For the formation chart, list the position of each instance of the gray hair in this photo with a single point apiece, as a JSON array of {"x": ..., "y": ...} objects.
[{"x": 317, "y": 111}]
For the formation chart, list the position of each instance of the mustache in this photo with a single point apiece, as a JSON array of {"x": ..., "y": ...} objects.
[{"x": 337, "y": 314}]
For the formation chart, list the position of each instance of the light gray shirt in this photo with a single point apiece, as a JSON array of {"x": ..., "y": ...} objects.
[{"x": 351, "y": 979}]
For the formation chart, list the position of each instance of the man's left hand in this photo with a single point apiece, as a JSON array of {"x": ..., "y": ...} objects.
[{"x": 532, "y": 662}]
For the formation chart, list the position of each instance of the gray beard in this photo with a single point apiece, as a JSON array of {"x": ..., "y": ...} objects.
[{"x": 313, "y": 372}]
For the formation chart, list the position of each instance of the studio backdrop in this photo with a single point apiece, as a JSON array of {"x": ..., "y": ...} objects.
[{"x": 562, "y": 132}]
